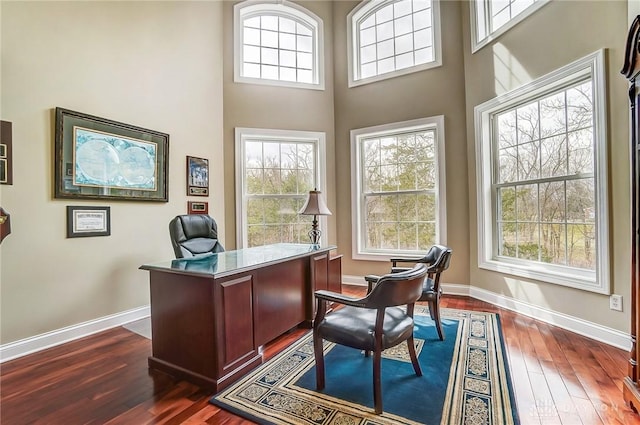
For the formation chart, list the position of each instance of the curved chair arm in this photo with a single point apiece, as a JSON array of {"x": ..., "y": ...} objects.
[
  {"x": 430, "y": 268},
  {"x": 371, "y": 280},
  {"x": 339, "y": 298},
  {"x": 323, "y": 296},
  {"x": 396, "y": 260}
]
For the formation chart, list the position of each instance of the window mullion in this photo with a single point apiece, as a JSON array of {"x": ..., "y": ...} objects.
[{"x": 487, "y": 17}]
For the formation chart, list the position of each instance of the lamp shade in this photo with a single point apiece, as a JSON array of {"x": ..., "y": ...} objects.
[{"x": 315, "y": 205}]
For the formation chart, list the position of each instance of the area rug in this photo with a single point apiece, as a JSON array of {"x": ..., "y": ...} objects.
[{"x": 465, "y": 380}]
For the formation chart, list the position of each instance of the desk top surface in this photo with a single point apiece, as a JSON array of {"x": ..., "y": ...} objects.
[{"x": 229, "y": 262}]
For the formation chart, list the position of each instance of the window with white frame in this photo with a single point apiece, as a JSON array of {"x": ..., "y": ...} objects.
[
  {"x": 491, "y": 18},
  {"x": 275, "y": 170},
  {"x": 388, "y": 38},
  {"x": 278, "y": 43},
  {"x": 398, "y": 201},
  {"x": 542, "y": 179}
]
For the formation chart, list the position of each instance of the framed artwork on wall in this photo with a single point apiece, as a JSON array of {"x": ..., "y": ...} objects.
[
  {"x": 6, "y": 166},
  {"x": 88, "y": 221},
  {"x": 197, "y": 207},
  {"x": 97, "y": 158},
  {"x": 197, "y": 176}
]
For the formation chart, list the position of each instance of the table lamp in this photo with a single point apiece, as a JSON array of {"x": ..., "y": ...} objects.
[{"x": 315, "y": 206}]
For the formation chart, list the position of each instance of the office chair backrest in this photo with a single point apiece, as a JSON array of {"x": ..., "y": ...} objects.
[
  {"x": 439, "y": 258},
  {"x": 193, "y": 234},
  {"x": 400, "y": 288}
]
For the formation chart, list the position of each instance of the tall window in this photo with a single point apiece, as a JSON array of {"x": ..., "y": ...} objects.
[
  {"x": 275, "y": 170},
  {"x": 491, "y": 18},
  {"x": 542, "y": 180},
  {"x": 398, "y": 181},
  {"x": 278, "y": 44},
  {"x": 392, "y": 37}
]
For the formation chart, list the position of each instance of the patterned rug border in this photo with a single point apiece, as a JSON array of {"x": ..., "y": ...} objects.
[{"x": 465, "y": 398}]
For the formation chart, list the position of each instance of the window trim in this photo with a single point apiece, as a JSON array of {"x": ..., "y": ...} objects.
[
  {"x": 242, "y": 134},
  {"x": 286, "y": 9},
  {"x": 356, "y": 135},
  {"x": 352, "y": 45},
  {"x": 598, "y": 281},
  {"x": 479, "y": 44}
]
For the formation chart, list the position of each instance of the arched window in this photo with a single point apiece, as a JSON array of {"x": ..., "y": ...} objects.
[
  {"x": 393, "y": 37},
  {"x": 278, "y": 44},
  {"x": 492, "y": 18}
]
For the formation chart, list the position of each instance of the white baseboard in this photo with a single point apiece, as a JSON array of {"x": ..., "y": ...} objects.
[
  {"x": 592, "y": 330},
  {"x": 30, "y": 345},
  {"x": 583, "y": 327},
  {"x": 353, "y": 280}
]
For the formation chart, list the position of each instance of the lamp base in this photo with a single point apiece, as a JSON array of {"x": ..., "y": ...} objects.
[{"x": 314, "y": 235}]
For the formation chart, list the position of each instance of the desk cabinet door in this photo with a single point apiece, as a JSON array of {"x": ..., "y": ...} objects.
[
  {"x": 279, "y": 296},
  {"x": 235, "y": 322}
]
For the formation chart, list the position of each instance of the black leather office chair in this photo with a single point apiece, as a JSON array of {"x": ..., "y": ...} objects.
[
  {"x": 437, "y": 258},
  {"x": 373, "y": 323},
  {"x": 193, "y": 234}
]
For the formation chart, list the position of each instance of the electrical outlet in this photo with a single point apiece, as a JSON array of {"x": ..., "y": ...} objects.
[{"x": 615, "y": 302}]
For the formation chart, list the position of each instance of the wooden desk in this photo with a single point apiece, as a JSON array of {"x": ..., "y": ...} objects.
[{"x": 211, "y": 315}]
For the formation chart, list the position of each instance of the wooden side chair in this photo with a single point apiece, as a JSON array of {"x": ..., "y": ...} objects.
[
  {"x": 437, "y": 258},
  {"x": 372, "y": 323}
]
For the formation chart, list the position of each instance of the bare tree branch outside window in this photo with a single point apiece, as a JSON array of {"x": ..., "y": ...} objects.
[{"x": 545, "y": 194}]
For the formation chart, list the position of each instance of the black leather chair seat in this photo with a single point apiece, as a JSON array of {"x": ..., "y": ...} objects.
[{"x": 354, "y": 327}]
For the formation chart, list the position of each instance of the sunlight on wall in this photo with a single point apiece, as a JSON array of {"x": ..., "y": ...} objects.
[{"x": 509, "y": 73}]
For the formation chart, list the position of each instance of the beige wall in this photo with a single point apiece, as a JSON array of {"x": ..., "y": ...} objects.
[
  {"x": 155, "y": 65},
  {"x": 556, "y": 35},
  {"x": 159, "y": 65},
  {"x": 282, "y": 108},
  {"x": 438, "y": 91}
]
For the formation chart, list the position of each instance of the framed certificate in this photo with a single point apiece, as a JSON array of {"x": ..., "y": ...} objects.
[{"x": 88, "y": 221}]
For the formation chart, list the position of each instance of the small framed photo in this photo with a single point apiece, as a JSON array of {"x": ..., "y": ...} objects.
[
  {"x": 196, "y": 207},
  {"x": 88, "y": 221},
  {"x": 6, "y": 154},
  {"x": 197, "y": 176},
  {"x": 4, "y": 178}
]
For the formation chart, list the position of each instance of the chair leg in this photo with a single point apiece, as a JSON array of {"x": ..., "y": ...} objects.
[
  {"x": 434, "y": 308},
  {"x": 377, "y": 383},
  {"x": 414, "y": 358},
  {"x": 319, "y": 357}
]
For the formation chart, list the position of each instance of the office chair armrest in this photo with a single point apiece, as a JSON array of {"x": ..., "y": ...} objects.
[
  {"x": 400, "y": 269},
  {"x": 405, "y": 260},
  {"x": 371, "y": 278},
  {"x": 397, "y": 260},
  {"x": 339, "y": 298}
]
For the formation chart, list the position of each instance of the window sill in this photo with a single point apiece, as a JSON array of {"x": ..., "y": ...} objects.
[{"x": 585, "y": 280}]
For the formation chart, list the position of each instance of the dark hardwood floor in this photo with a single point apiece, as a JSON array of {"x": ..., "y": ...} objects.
[{"x": 559, "y": 378}]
